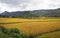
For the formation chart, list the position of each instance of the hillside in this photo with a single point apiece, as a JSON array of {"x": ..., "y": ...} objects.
[{"x": 32, "y": 14}]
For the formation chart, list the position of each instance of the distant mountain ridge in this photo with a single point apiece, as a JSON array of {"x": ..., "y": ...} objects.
[{"x": 30, "y": 14}]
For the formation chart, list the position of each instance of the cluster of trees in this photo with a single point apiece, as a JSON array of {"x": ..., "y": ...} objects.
[{"x": 54, "y": 13}]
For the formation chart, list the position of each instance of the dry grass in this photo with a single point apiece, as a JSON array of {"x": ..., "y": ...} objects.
[{"x": 31, "y": 26}]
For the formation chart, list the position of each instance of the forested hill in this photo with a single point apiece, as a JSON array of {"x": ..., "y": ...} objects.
[{"x": 30, "y": 14}]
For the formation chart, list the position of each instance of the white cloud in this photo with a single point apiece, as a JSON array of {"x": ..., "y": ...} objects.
[{"x": 19, "y": 5}]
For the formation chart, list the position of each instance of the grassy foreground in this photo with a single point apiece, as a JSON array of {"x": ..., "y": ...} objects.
[{"x": 33, "y": 26}]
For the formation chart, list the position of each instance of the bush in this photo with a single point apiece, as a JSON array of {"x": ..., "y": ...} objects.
[
  {"x": 24, "y": 36},
  {"x": 12, "y": 33},
  {"x": 2, "y": 28},
  {"x": 14, "y": 30}
]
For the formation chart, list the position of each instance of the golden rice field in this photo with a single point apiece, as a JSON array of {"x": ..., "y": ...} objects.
[
  {"x": 32, "y": 26},
  {"x": 50, "y": 35}
]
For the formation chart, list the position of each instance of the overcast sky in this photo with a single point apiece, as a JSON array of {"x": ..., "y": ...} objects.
[{"x": 20, "y": 5}]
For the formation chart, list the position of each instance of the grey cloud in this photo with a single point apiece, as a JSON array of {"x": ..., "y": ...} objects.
[
  {"x": 13, "y": 2},
  {"x": 28, "y": 4}
]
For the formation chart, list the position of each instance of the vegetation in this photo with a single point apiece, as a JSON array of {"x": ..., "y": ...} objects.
[
  {"x": 11, "y": 33},
  {"x": 33, "y": 25},
  {"x": 15, "y": 33},
  {"x": 32, "y": 14},
  {"x": 30, "y": 28}
]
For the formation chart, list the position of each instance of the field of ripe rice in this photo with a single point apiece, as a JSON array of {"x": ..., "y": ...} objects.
[
  {"x": 31, "y": 26},
  {"x": 50, "y": 35}
]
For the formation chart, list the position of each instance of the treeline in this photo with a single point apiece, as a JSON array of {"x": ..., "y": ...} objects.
[
  {"x": 32, "y": 14},
  {"x": 18, "y": 14}
]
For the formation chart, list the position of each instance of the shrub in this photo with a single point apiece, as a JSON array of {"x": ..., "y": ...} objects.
[{"x": 14, "y": 30}]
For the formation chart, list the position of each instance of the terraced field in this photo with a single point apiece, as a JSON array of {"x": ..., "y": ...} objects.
[{"x": 32, "y": 26}]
